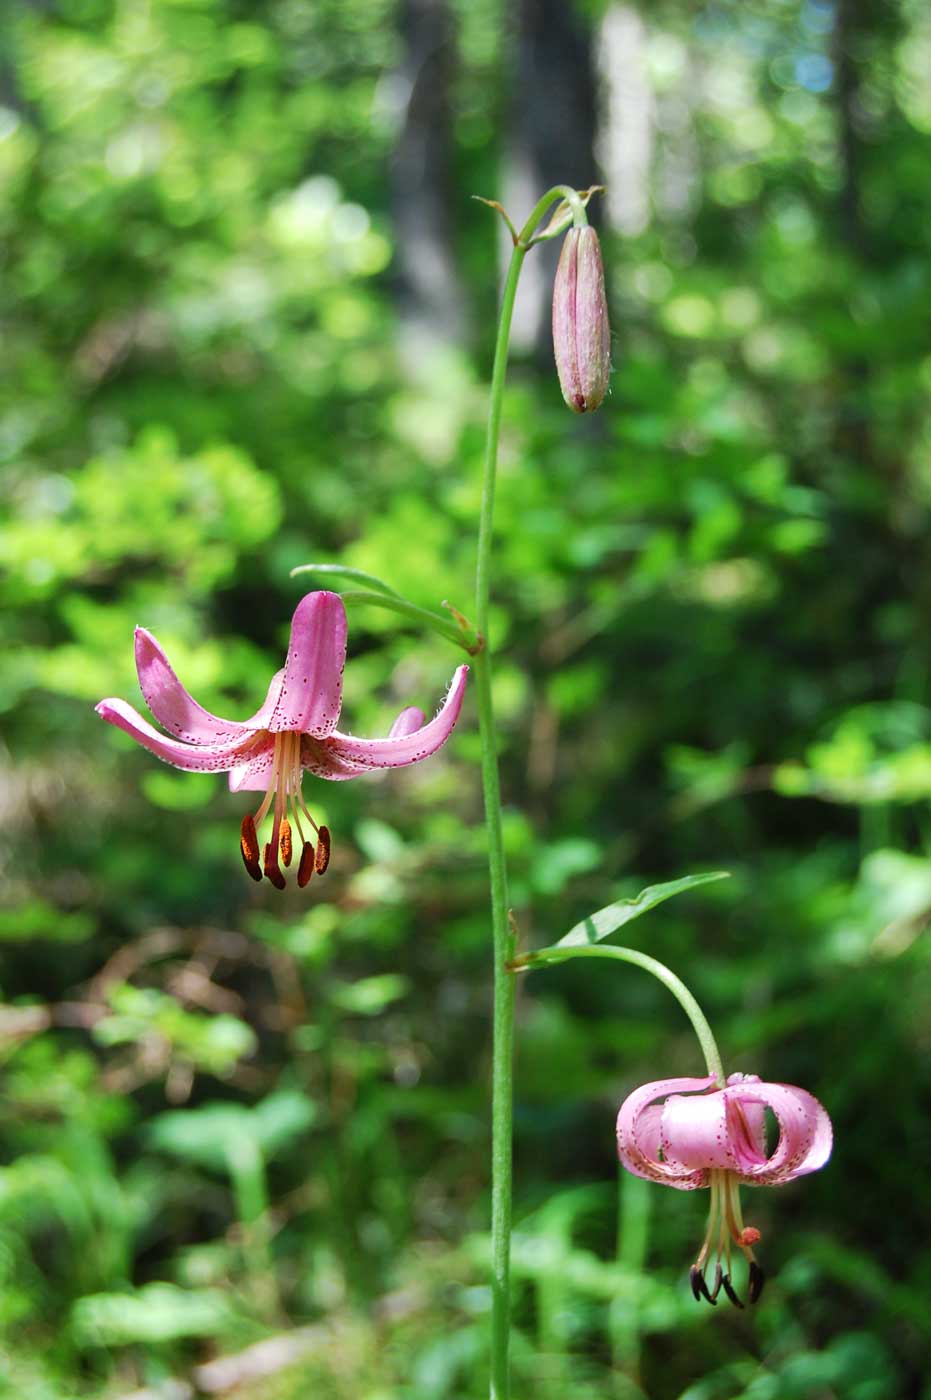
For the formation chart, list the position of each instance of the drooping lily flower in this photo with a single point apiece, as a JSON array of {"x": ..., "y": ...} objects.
[
  {"x": 295, "y": 729},
  {"x": 702, "y": 1136}
]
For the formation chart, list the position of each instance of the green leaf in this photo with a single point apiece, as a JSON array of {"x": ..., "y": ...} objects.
[
  {"x": 604, "y": 922},
  {"x": 424, "y": 617},
  {"x": 344, "y": 571}
]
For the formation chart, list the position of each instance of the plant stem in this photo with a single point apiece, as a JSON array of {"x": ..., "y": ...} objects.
[
  {"x": 549, "y": 957},
  {"x": 504, "y": 942}
]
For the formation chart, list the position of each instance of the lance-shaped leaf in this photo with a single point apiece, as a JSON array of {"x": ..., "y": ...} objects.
[{"x": 605, "y": 921}]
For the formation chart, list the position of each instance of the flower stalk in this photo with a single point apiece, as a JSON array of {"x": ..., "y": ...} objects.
[{"x": 503, "y": 937}]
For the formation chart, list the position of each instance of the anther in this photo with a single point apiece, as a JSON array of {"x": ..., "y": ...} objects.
[
  {"x": 729, "y": 1290},
  {"x": 699, "y": 1287},
  {"x": 755, "y": 1285},
  {"x": 306, "y": 867},
  {"x": 323, "y": 850},
  {"x": 249, "y": 845},
  {"x": 284, "y": 841},
  {"x": 718, "y": 1280},
  {"x": 271, "y": 868}
]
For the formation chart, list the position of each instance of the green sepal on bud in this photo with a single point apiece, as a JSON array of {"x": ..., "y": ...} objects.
[{"x": 581, "y": 334}]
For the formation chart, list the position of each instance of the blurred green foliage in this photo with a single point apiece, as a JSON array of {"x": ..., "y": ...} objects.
[{"x": 228, "y": 1114}]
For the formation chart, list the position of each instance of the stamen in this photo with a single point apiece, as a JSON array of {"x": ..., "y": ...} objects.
[
  {"x": 718, "y": 1280},
  {"x": 272, "y": 871},
  {"x": 284, "y": 841},
  {"x": 284, "y": 790},
  {"x": 699, "y": 1287},
  {"x": 306, "y": 867},
  {"x": 729, "y": 1290},
  {"x": 249, "y": 845},
  {"x": 756, "y": 1281}
]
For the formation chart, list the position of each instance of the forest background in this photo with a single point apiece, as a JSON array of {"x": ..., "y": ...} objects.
[{"x": 248, "y": 314}]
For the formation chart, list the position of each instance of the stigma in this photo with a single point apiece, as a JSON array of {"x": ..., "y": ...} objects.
[{"x": 285, "y": 800}]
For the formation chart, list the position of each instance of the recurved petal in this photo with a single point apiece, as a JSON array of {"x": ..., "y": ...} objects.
[
  {"x": 638, "y": 1137},
  {"x": 318, "y": 756},
  {"x": 407, "y": 722},
  {"x": 195, "y": 758},
  {"x": 805, "y": 1134},
  {"x": 171, "y": 704},
  {"x": 311, "y": 693},
  {"x": 695, "y": 1132},
  {"x": 399, "y": 749}
]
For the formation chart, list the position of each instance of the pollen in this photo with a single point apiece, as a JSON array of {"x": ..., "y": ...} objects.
[
  {"x": 284, "y": 841},
  {"x": 323, "y": 850}
]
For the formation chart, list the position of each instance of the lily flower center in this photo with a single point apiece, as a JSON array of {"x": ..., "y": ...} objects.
[
  {"x": 725, "y": 1230},
  {"x": 285, "y": 799}
]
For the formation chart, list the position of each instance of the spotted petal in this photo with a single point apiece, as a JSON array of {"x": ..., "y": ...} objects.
[
  {"x": 399, "y": 748},
  {"x": 195, "y": 758},
  {"x": 171, "y": 704},
  {"x": 638, "y": 1135},
  {"x": 311, "y": 684},
  {"x": 805, "y": 1134},
  {"x": 254, "y": 773},
  {"x": 694, "y": 1132}
]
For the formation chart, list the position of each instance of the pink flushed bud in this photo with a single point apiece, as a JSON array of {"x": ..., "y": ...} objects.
[{"x": 581, "y": 334}]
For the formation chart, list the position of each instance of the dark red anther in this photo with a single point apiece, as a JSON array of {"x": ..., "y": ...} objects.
[
  {"x": 249, "y": 845},
  {"x": 755, "y": 1285},
  {"x": 306, "y": 867},
  {"x": 272, "y": 872},
  {"x": 323, "y": 850},
  {"x": 716, "y": 1286},
  {"x": 729, "y": 1290}
]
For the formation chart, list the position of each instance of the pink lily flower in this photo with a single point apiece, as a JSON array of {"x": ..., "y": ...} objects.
[
  {"x": 700, "y": 1135},
  {"x": 293, "y": 730}
]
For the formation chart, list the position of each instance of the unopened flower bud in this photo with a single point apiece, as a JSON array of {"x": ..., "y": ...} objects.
[{"x": 581, "y": 335}]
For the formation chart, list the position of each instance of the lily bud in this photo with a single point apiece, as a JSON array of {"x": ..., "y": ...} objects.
[{"x": 581, "y": 335}]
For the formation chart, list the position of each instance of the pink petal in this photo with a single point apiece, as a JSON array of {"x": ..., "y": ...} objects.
[
  {"x": 320, "y": 757},
  {"x": 805, "y": 1135},
  {"x": 264, "y": 713},
  {"x": 400, "y": 749},
  {"x": 311, "y": 693},
  {"x": 638, "y": 1138},
  {"x": 195, "y": 758},
  {"x": 752, "y": 1125},
  {"x": 407, "y": 722},
  {"x": 647, "y": 1132},
  {"x": 171, "y": 704},
  {"x": 694, "y": 1132},
  {"x": 254, "y": 774}
]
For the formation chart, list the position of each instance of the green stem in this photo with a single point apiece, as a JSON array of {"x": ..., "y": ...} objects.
[
  {"x": 424, "y": 617},
  {"x": 503, "y": 1031},
  {"x": 550, "y": 956}
]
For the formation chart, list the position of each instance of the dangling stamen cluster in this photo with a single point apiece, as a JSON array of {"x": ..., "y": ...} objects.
[
  {"x": 284, "y": 788},
  {"x": 726, "y": 1229}
]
